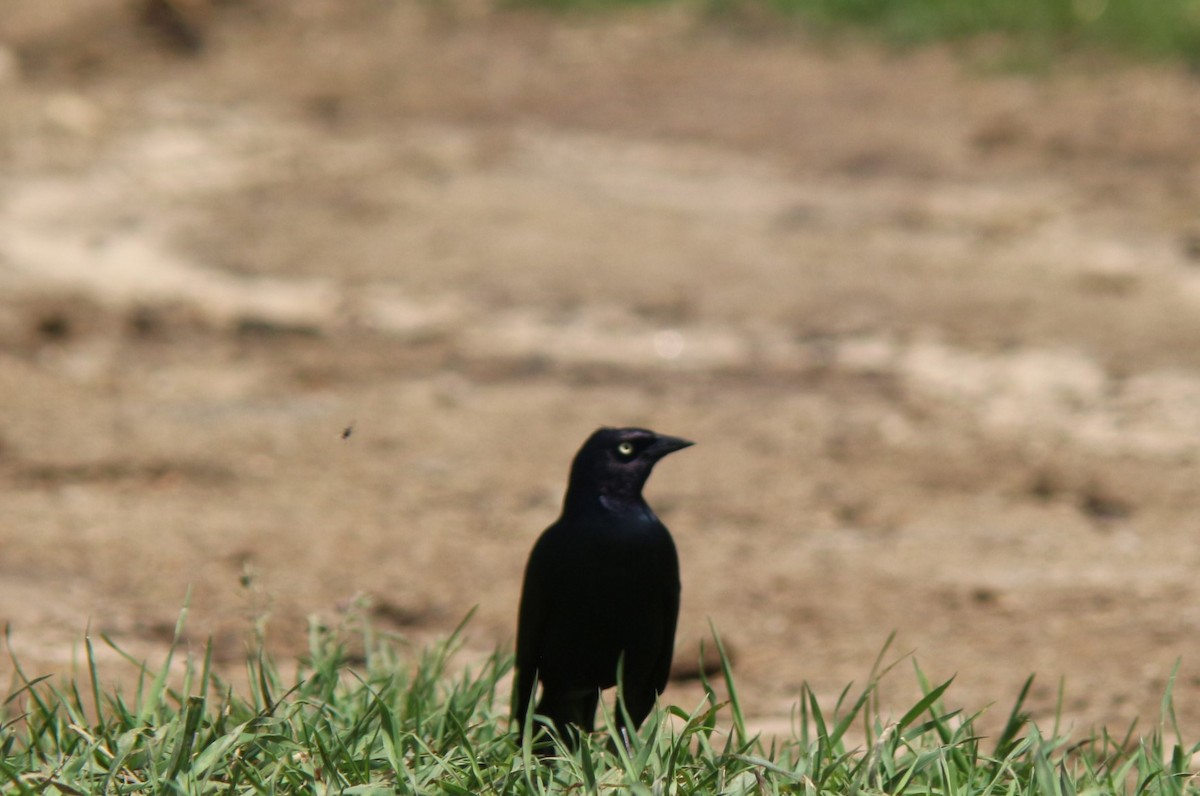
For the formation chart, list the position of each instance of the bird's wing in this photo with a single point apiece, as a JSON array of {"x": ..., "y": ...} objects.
[
  {"x": 662, "y": 667},
  {"x": 531, "y": 619},
  {"x": 670, "y": 619}
]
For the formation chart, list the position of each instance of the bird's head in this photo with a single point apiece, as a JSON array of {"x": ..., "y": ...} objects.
[{"x": 614, "y": 463}]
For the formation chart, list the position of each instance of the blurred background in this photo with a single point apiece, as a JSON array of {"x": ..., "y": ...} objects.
[{"x": 305, "y": 308}]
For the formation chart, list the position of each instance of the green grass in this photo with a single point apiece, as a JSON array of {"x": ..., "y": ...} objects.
[
  {"x": 1151, "y": 29},
  {"x": 396, "y": 720}
]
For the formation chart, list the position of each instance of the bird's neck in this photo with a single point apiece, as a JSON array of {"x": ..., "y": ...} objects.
[{"x": 609, "y": 500}]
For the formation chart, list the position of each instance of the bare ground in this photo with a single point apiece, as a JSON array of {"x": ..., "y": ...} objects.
[{"x": 936, "y": 329}]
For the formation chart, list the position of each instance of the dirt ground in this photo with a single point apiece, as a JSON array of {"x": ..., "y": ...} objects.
[{"x": 935, "y": 327}]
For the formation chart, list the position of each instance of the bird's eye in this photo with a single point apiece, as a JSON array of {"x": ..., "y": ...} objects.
[{"x": 625, "y": 449}]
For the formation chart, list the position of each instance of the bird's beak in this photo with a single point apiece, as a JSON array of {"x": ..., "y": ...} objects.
[{"x": 664, "y": 445}]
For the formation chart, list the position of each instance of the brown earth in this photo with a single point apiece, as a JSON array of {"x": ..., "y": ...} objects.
[{"x": 936, "y": 329}]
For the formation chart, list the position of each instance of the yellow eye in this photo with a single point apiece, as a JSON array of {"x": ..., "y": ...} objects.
[{"x": 625, "y": 449}]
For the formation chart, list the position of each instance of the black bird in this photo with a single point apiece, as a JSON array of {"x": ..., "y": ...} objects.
[{"x": 601, "y": 587}]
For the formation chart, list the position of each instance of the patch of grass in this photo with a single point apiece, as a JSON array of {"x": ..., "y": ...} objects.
[
  {"x": 1156, "y": 29},
  {"x": 1137, "y": 28},
  {"x": 399, "y": 721},
  {"x": 583, "y": 5}
]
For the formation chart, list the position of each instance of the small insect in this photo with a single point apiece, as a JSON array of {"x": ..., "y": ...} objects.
[{"x": 347, "y": 431}]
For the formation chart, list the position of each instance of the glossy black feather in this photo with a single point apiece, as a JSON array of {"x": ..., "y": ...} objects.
[{"x": 601, "y": 586}]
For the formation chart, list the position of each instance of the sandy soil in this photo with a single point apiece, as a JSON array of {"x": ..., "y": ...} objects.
[{"x": 936, "y": 329}]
